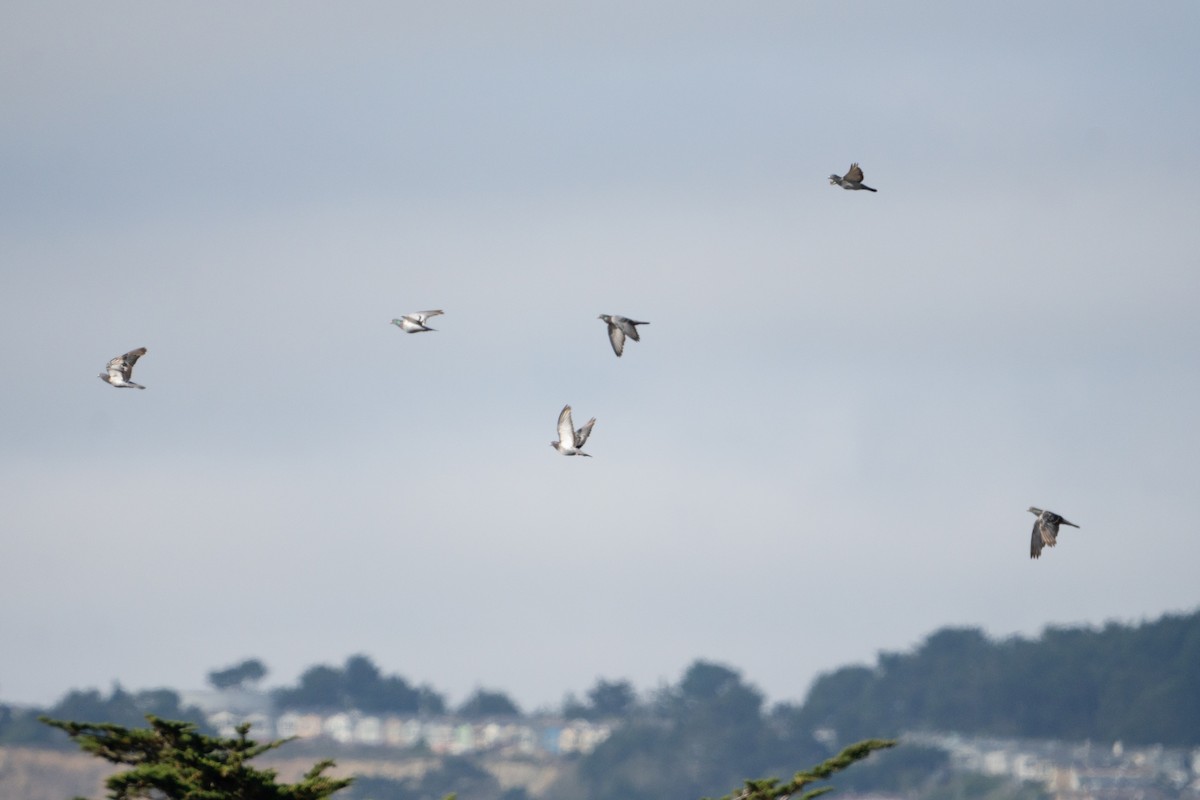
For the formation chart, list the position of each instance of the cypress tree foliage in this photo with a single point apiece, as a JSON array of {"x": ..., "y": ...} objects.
[
  {"x": 174, "y": 761},
  {"x": 772, "y": 789}
]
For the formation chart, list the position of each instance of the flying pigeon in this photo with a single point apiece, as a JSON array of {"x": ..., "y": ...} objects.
[
  {"x": 415, "y": 323},
  {"x": 569, "y": 439},
  {"x": 851, "y": 180},
  {"x": 1045, "y": 530},
  {"x": 619, "y": 328},
  {"x": 120, "y": 370}
]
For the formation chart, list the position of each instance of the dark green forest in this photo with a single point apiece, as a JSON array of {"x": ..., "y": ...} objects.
[
  {"x": 701, "y": 736},
  {"x": 119, "y": 707},
  {"x": 1137, "y": 683},
  {"x": 360, "y": 685}
]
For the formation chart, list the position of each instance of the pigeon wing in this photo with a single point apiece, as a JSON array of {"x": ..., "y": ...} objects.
[
  {"x": 1035, "y": 544},
  {"x": 581, "y": 435},
  {"x": 617, "y": 337},
  {"x": 1047, "y": 525},
  {"x": 629, "y": 326},
  {"x": 421, "y": 316},
  {"x": 566, "y": 430},
  {"x": 855, "y": 174},
  {"x": 131, "y": 358},
  {"x": 122, "y": 366},
  {"x": 116, "y": 369}
]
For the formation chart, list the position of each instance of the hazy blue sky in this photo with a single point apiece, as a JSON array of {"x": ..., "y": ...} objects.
[{"x": 823, "y": 446}]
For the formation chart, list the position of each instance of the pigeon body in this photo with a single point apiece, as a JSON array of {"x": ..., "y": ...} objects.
[
  {"x": 1045, "y": 530},
  {"x": 415, "y": 322},
  {"x": 570, "y": 440},
  {"x": 852, "y": 180},
  {"x": 119, "y": 371},
  {"x": 618, "y": 328}
]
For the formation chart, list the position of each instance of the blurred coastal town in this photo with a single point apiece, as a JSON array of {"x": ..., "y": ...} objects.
[
  {"x": 1062, "y": 770},
  {"x": 973, "y": 717},
  {"x": 1076, "y": 770},
  {"x": 440, "y": 734}
]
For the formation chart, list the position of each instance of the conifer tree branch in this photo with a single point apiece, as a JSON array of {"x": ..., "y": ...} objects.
[
  {"x": 772, "y": 789},
  {"x": 174, "y": 760}
]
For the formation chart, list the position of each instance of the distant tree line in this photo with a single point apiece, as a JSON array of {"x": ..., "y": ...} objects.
[
  {"x": 21, "y": 726},
  {"x": 237, "y": 676},
  {"x": 606, "y": 700},
  {"x": 697, "y": 738},
  {"x": 357, "y": 685},
  {"x": 1139, "y": 684},
  {"x": 360, "y": 685}
]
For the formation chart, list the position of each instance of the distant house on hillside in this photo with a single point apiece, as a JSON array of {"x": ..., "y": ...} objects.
[
  {"x": 225, "y": 710},
  {"x": 1076, "y": 770},
  {"x": 225, "y": 723},
  {"x": 304, "y": 726}
]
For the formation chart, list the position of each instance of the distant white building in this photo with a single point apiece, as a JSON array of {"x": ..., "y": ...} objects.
[
  {"x": 369, "y": 730},
  {"x": 339, "y": 727},
  {"x": 225, "y": 723},
  {"x": 304, "y": 726}
]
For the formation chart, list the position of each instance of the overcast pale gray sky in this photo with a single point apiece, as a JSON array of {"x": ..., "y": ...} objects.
[{"x": 823, "y": 446}]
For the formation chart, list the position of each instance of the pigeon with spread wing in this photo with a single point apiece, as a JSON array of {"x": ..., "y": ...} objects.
[
  {"x": 570, "y": 440},
  {"x": 119, "y": 372},
  {"x": 852, "y": 180},
  {"x": 618, "y": 328},
  {"x": 1045, "y": 530},
  {"x": 415, "y": 322}
]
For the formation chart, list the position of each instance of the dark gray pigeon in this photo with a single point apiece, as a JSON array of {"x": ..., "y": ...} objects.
[
  {"x": 570, "y": 440},
  {"x": 1045, "y": 530},
  {"x": 852, "y": 180},
  {"x": 120, "y": 370},
  {"x": 618, "y": 328}
]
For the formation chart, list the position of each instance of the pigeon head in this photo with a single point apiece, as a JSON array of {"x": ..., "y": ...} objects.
[
  {"x": 835, "y": 180},
  {"x": 1036, "y": 511}
]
